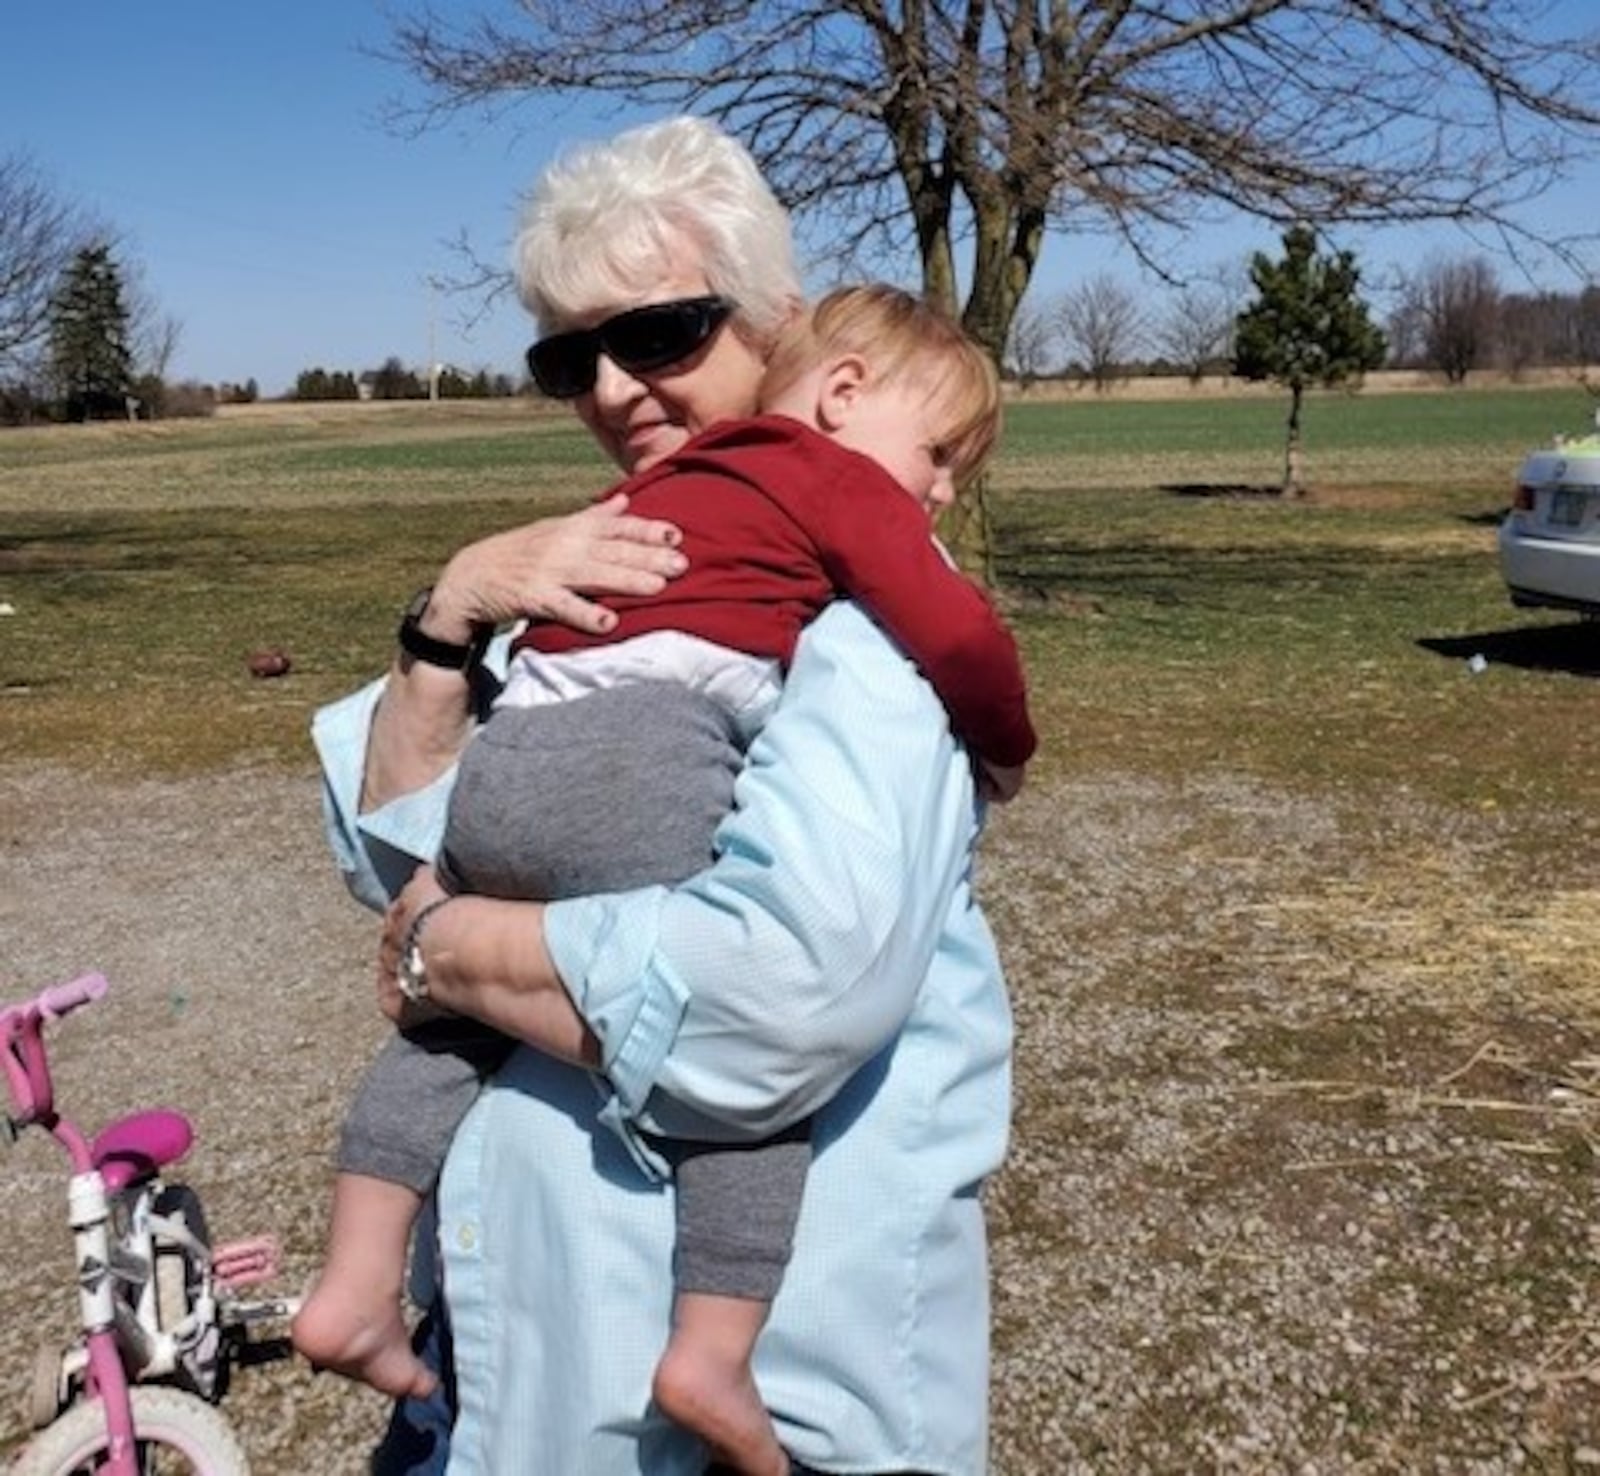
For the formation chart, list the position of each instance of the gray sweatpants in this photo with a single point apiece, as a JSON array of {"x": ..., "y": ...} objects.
[{"x": 615, "y": 790}]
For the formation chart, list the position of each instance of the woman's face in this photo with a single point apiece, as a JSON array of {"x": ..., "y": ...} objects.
[{"x": 639, "y": 418}]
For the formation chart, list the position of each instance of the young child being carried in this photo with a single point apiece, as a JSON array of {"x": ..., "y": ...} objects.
[{"x": 608, "y": 761}]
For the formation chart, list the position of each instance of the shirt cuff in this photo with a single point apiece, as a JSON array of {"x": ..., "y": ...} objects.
[
  {"x": 377, "y": 851},
  {"x": 605, "y": 950}
]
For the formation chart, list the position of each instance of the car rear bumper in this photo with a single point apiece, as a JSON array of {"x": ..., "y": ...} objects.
[{"x": 1562, "y": 574}]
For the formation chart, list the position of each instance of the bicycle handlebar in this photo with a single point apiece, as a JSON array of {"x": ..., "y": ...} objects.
[
  {"x": 63, "y": 999},
  {"x": 22, "y": 1053}
]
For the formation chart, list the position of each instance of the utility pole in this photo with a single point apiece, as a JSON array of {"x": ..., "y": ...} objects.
[{"x": 433, "y": 355}]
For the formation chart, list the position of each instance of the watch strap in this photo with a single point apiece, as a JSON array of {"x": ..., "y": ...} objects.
[{"x": 451, "y": 655}]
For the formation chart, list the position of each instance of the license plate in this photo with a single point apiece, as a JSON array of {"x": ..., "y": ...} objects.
[{"x": 1566, "y": 507}]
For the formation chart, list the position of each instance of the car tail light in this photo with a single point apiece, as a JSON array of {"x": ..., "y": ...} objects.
[{"x": 1523, "y": 499}]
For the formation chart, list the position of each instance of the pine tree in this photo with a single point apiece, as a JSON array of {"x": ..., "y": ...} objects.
[
  {"x": 1306, "y": 327},
  {"x": 90, "y": 358}
]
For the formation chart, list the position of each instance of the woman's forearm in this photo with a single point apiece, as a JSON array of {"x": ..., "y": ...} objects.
[
  {"x": 486, "y": 959},
  {"x": 421, "y": 724},
  {"x": 748, "y": 995},
  {"x": 540, "y": 571}
]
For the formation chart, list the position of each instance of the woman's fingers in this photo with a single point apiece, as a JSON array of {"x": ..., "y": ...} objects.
[
  {"x": 565, "y": 607},
  {"x": 614, "y": 515},
  {"x": 544, "y": 569}
]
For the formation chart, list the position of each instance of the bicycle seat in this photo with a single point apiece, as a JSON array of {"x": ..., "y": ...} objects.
[{"x": 136, "y": 1146}]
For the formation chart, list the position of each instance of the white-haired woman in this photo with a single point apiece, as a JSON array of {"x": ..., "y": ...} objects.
[{"x": 830, "y": 961}]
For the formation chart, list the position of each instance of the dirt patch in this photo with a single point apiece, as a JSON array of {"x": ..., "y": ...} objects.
[{"x": 1303, "y": 1170}]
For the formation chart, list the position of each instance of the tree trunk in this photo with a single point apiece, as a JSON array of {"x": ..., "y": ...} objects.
[
  {"x": 969, "y": 534},
  {"x": 1007, "y": 249},
  {"x": 1294, "y": 471}
]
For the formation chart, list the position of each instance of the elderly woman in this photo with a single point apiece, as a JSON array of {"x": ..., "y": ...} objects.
[{"x": 831, "y": 961}]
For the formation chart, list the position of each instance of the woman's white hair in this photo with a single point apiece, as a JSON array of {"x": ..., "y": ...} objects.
[{"x": 606, "y": 220}]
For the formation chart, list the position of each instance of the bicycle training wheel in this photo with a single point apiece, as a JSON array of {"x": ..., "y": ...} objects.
[
  {"x": 178, "y": 1434},
  {"x": 45, "y": 1392}
]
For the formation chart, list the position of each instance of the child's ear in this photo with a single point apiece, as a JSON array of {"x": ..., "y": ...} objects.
[{"x": 842, "y": 383}]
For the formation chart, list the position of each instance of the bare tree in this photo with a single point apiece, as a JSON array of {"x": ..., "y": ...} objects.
[
  {"x": 158, "y": 343},
  {"x": 1452, "y": 306},
  {"x": 1102, "y": 324},
  {"x": 1196, "y": 331},
  {"x": 1588, "y": 325},
  {"x": 1539, "y": 328},
  {"x": 1403, "y": 329},
  {"x": 153, "y": 334},
  {"x": 1035, "y": 334},
  {"x": 998, "y": 120},
  {"x": 40, "y": 234}
]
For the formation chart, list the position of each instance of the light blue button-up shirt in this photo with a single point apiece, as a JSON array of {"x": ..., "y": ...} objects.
[{"x": 833, "y": 959}]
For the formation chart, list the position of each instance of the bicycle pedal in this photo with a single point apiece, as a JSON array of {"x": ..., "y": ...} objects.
[
  {"x": 245, "y": 1262},
  {"x": 263, "y": 1309}
]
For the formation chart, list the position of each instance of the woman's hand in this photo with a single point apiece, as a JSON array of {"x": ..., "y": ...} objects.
[
  {"x": 484, "y": 958},
  {"x": 541, "y": 570},
  {"x": 422, "y": 889},
  {"x": 545, "y": 569}
]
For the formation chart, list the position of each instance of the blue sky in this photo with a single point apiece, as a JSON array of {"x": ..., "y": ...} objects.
[{"x": 237, "y": 149}]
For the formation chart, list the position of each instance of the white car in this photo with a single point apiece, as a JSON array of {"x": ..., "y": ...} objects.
[{"x": 1550, "y": 541}]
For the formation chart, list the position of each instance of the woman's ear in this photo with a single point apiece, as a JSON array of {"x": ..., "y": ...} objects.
[{"x": 843, "y": 380}]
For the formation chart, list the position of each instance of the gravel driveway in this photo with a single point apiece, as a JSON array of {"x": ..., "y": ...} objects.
[
  {"x": 1304, "y": 1163},
  {"x": 238, "y": 993}
]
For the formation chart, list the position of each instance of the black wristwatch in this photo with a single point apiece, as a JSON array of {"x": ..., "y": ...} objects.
[{"x": 421, "y": 646}]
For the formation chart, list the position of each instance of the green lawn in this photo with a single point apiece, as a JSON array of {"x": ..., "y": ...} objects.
[
  {"x": 1171, "y": 620},
  {"x": 1401, "y": 423}
]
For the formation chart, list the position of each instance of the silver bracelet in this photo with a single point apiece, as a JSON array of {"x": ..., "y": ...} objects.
[{"x": 412, "y": 973}]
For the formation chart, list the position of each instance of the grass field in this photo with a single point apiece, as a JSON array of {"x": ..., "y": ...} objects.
[
  {"x": 1298, "y": 912},
  {"x": 1174, "y": 616}
]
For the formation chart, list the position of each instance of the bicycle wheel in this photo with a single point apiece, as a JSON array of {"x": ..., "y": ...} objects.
[{"x": 178, "y": 1434}]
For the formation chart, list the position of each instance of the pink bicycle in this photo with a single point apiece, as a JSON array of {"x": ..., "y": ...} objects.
[{"x": 162, "y": 1318}]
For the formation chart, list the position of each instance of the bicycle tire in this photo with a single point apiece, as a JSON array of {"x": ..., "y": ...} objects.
[{"x": 180, "y": 1434}]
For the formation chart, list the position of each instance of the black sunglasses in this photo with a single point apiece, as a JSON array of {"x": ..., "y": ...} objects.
[{"x": 638, "y": 341}]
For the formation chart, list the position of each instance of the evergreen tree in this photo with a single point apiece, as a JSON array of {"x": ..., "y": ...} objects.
[
  {"x": 91, "y": 361},
  {"x": 393, "y": 381},
  {"x": 1306, "y": 327}
]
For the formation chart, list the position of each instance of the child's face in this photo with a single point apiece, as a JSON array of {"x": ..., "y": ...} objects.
[{"x": 893, "y": 424}]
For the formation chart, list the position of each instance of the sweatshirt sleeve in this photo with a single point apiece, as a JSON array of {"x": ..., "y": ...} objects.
[{"x": 877, "y": 548}]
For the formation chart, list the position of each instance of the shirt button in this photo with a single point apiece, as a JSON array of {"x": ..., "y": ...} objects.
[{"x": 467, "y": 1237}]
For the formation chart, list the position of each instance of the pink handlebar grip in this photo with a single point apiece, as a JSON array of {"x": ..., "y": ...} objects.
[{"x": 62, "y": 999}]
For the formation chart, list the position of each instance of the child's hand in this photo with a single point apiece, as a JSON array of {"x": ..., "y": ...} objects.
[{"x": 999, "y": 783}]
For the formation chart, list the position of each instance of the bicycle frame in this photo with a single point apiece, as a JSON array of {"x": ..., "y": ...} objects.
[
  {"x": 27, "y": 1070},
  {"x": 119, "y": 1234}
]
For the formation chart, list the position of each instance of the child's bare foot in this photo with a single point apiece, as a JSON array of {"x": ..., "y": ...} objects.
[
  {"x": 720, "y": 1403},
  {"x": 340, "y": 1330}
]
